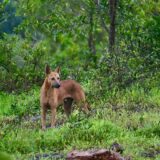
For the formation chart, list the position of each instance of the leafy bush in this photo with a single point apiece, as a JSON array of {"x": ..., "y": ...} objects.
[{"x": 20, "y": 105}]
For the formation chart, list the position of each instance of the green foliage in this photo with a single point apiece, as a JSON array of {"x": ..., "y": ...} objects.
[
  {"x": 8, "y": 18},
  {"x": 4, "y": 156},
  {"x": 20, "y": 64},
  {"x": 58, "y": 33},
  {"x": 138, "y": 46},
  {"x": 122, "y": 87},
  {"x": 5, "y": 102},
  {"x": 12, "y": 104}
]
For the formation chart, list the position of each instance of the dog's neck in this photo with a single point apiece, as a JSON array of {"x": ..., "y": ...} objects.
[
  {"x": 47, "y": 87},
  {"x": 46, "y": 84}
]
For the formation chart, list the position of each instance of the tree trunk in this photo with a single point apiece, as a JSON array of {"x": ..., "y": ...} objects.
[
  {"x": 101, "y": 17},
  {"x": 91, "y": 43},
  {"x": 112, "y": 16}
]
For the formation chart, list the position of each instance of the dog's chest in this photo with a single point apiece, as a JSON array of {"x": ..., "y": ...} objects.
[{"x": 52, "y": 99}]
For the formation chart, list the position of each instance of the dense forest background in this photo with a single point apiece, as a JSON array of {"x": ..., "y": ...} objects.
[
  {"x": 111, "y": 47},
  {"x": 119, "y": 39}
]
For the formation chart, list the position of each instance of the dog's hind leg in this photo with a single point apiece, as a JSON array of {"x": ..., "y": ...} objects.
[
  {"x": 68, "y": 106},
  {"x": 81, "y": 102},
  {"x": 85, "y": 107}
]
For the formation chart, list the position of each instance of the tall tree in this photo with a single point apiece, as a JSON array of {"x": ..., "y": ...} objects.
[
  {"x": 91, "y": 43},
  {"x": 112, "y": 32}
]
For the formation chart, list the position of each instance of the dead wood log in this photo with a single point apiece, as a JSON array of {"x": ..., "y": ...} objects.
[{"x": 102, "y": 154}]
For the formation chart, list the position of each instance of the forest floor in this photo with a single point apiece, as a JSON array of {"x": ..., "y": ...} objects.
[{"x": 131, "y": 119}]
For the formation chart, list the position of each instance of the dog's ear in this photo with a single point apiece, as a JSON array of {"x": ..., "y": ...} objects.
[
  {"x": 57, "y": 70},
  {"x": 47, "y": 69}
]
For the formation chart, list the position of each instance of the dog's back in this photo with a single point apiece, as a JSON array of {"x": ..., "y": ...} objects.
[{"x": 70, "y": 89}]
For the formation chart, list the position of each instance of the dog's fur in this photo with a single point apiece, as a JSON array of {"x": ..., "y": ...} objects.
[{"x": 55, "y": 92}]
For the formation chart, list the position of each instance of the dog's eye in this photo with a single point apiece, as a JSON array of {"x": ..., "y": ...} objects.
[
  {"x": 58, "y": 78},
  {"x": 52, "y": 78}
]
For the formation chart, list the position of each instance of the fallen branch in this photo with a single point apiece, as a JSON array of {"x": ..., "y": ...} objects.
[{"x": 102, "y": 154}]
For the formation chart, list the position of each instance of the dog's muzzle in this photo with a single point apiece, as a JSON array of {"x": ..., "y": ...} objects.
[{"x": 56, "y": 85}]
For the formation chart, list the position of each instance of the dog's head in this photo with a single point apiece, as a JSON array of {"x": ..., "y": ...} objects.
[{"x": 53, "y": 77}]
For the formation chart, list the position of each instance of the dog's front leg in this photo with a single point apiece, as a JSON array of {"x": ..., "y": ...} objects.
[
  {"x": 53, "y": 116},
  {"x": 43, "y": 117}
]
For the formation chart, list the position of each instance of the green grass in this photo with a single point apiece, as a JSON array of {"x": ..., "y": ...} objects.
[
  {"x": 5, "y": 103},
  {"x": 130, "y": 117}
]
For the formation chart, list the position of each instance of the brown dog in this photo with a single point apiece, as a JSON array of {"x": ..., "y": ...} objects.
[{"x": 55, "y": 92}]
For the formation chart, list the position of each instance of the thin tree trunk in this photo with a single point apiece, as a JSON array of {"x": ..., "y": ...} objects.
[
  {"x": 91, "y": 43},
  {"x": 112, "y": 32},
  {"x": 102, "y": 19}
]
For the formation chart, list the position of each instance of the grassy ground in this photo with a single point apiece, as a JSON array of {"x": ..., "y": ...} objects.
[{"x": 130, "y": 117}]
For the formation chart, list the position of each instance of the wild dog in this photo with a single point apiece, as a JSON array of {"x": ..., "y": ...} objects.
[{"x": 55, "y": 92}]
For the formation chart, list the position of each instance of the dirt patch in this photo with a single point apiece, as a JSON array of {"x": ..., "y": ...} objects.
[
  {"x": 53, "y": 156},
  {"x": 152, "y": 152}
]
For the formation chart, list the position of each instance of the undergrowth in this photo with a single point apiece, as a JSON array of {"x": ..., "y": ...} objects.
[{"x": 129, "y": 117}]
